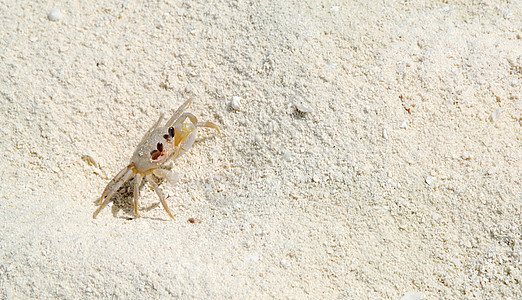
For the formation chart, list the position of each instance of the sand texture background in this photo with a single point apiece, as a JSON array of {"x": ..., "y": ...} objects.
[{"x": 376, "y": 149}]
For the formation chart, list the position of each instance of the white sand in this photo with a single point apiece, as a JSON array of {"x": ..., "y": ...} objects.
[{"x": 292, "y": 205}]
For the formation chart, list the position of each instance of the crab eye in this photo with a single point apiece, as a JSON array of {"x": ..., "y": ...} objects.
[
  {"x": 155, "y": 154},
  {"x": 171, "y": 132},
  {"x": 160, "y": 147}
]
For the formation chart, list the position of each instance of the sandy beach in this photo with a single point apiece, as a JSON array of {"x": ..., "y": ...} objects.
[{"x": 368, "y": 149}]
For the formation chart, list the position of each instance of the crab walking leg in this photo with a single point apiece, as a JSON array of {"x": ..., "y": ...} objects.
[
  {"x": 207, "y": 124},
  {"x": 160, "y": 195},
  {"x": 116, "y": 187},
  {"x": 137, "y": 183},
  {"x": 157, "y": 124},
  {"x": 178, "y": 112},
  {"x": 114, "y": 180}
]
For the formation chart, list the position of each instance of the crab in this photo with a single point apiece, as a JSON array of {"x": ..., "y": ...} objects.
[{"x": 159, "y": 144}]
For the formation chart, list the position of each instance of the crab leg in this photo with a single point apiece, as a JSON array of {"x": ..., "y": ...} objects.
[
  {"x": 116, "y": 187},
  {"x": 207, "y": 124},
  {"x": 137, "y": 183},
  {"x": 111, "y": 183},
  {"x": 160, "y": 195},
  {"x": 178, "y": 112}
]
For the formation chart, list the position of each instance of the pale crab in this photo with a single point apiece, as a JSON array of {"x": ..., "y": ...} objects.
[{"x": 159, "y": 144}]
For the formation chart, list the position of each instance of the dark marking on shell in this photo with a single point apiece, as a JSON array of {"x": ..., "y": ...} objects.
[{"x": 155, "y": 154}]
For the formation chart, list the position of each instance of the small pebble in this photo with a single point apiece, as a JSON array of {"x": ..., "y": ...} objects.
[
  {"x": 412, "y": 296},
  {"x": 385, "y": 133},
  {"x": 302, "y": 109},
  {"x": 316, "y": 178},
  {"x": 89, "y": 159},
  {"x": 287, "y": 156},
  {"x": 54, "y": 15},
  {"x": 466, "y": 156},
  {"x": 491, "y": 171},
  {"x": 495, "y": 115},
  {"x": 252, "y": 258},
  {"x": 284, "y": 263},
  {"x": 236, "y": 103},
  {"x": 403, "y": 124},
  {"x": 366, "y": 109},
  {"x": 430, "y": 179},
  {"x": 172, "y": 177},
  {"x": 189, "y": 88}
]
